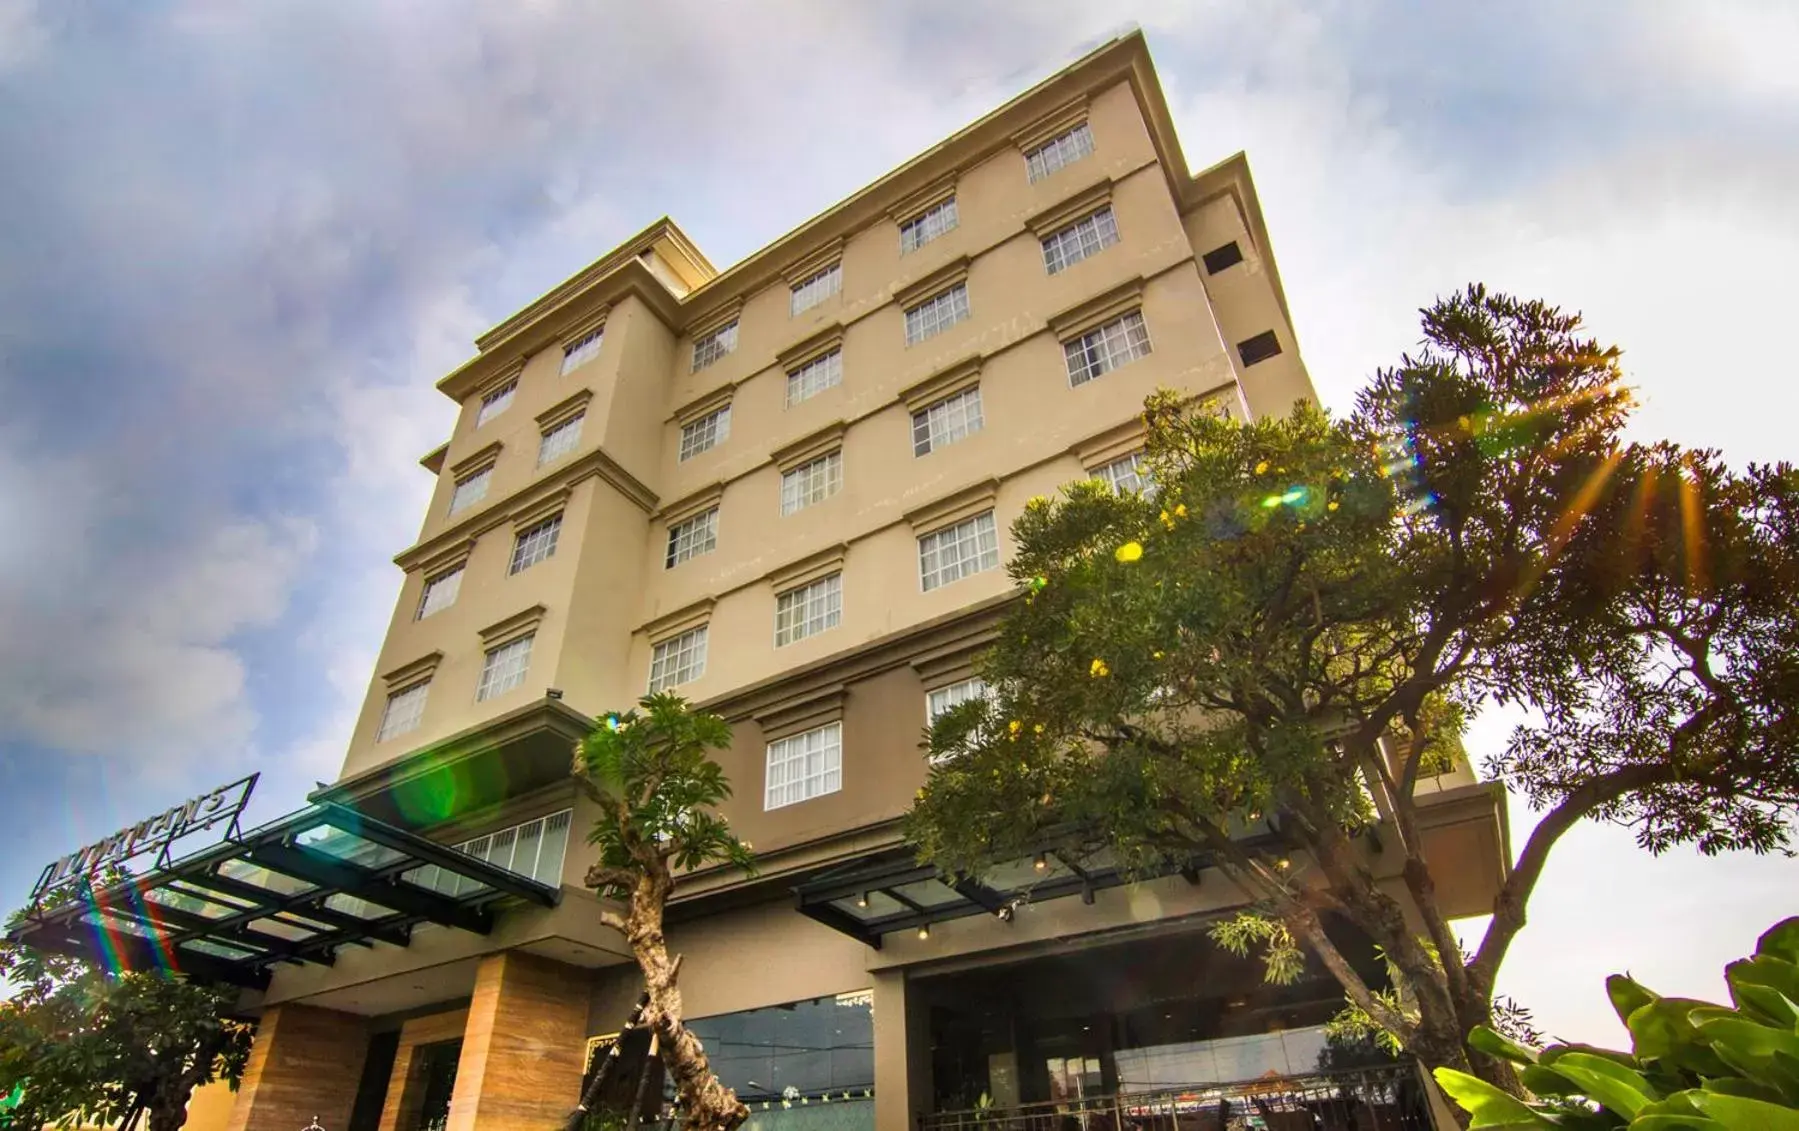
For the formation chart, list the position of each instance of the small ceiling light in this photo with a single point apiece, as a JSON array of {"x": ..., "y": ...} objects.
[
  {"x": 862, "y": 901},
  {"x": 1283, "y": 863},
  {"x": 924, "y": 931},
  {"x": 1041, "y": 863}
]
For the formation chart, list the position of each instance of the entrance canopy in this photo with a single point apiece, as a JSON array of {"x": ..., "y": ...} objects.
[{"x": 293, "y": 891}]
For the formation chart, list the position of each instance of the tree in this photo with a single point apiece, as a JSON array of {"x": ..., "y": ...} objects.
[
  {"x": 1693, "y": 1066},
  {"x": 658, "y": 792},
  {"x": 1289, "y": 634},
  {"x": 76, "y": 1040}
]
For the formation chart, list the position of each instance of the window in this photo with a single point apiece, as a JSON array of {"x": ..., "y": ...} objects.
[
  {"x": 1127, "y": 476},
  {"x": 941, "y": 700},
  {"x": 706, "y": 433},
  {"x": 708, "y": 348},
  {"x": 583, "y": 349},
  {"x": 1259, "y": 348},
  {"x": 405, "y": 710},
  {"x": 799, "y": 1053},
  {"x": 805, "y": 766},
  {"x": 958, "y": 551},
  {"x": 560, "y": 440},
  {"x": 681, "y": 659},
  {"x": 950, "y": 419},
  {"x": 692, "y": 537},
  {"x": 928, "y": 225},
  {"x": 811, "y": 483},
  {"x": 1059, "y": 151},
  {"x": 1080, "y": 240},
  {"x": 534, "y": 849},
  {"x": 504, "y": 668},
  {"x": 808, "y": 610},
  {"x": 936, "y": 314},
  {"x": 815, "y": 377},
  {"x": 496, "y": 402},
  {"x": 815, "y": 290},
  {"x": 471, "y": 489},
  {"x": 1106, "y": 347},
  {"x": 1219, "y": 258},
  {"x": 535, "y": 544},
  {"x": 440, "y": 592}
]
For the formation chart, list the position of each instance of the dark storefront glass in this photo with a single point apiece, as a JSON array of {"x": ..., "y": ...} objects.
[{"x": 803, "y": 1066}]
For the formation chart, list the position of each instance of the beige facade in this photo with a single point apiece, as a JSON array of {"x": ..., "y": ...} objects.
[{"x": 655, "y": 542}]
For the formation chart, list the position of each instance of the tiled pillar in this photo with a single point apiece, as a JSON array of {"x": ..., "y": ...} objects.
[
  {"x": 400, "y": 1109},
  {"x": 522, "y": 1051},
  {"x": 902, "y": 1055},
  {"x": 305, "y": 1062}
]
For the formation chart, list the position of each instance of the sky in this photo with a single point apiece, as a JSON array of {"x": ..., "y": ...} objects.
[{"x": 239, "y": 243}]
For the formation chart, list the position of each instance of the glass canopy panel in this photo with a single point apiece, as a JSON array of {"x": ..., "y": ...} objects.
[
  {"x": 872, "y": 905},
  {"x": 196, "y": 889},
  {"x": 348, "y": 847},
  {"x": 117, "y": 921},
  {"x": 292, "y": 932},
  {"x": 178, "y": 899},
  {"x": 219, "y": 949},
  {"x": 1020, "y": 875},
  {"x": 278, "y": 882},
  {"x": 930, "y": 893},
  {"x": 360, "y": 908}
]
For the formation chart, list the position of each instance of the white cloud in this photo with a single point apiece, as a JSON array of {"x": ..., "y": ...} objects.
[{"x": 22, "y": 33}]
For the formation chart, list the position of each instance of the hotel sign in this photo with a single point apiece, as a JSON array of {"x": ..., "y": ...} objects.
[{"x": 157, "y": 834}]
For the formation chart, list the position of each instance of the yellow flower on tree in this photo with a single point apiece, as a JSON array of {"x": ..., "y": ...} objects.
[
  {"x": 1098, "y": 669},
  {"x": 1262, "y": 468},
  {"x": 1129, "y": 552},
  {"x": 1014, "y": 726},
  {"x": 1180, "y": 510}
]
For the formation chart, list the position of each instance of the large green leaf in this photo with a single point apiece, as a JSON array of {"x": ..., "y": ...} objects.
[
  {"x": 1739, "y": 1114},
  {"x": 1544, "y": 1081},
  {"x": 1483, "y": 1039},
  {"x": 1676, "y": 1123},
  {"x": 1766, "y": 985},
  {"x": 1489, "y": 1106},
  {"x": 1628, "y": 995},
  {"x": 1617, "y": 1087},
  {"x": 1758, "y": 1051},
  {"x": 1781, "y": 940}
]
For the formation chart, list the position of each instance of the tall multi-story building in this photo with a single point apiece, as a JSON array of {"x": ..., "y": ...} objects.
[{"x": 784, "y": 490}]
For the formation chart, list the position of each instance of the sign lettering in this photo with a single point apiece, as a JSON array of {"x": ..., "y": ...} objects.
[{"x": 152, "y": 834}]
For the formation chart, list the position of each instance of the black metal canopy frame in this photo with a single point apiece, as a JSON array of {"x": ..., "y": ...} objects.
[{"x": 293, "y": 891}]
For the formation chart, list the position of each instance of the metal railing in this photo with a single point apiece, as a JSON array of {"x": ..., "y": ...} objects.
[{"x": 1387, "y": 1098}]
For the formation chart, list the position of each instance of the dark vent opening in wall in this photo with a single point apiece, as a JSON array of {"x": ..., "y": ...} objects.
[
  {"x": 1221, "y": 257},
  {"x": 1259, "y": 348}
]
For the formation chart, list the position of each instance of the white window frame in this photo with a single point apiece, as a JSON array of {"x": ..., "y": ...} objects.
[
  {"x": 560, "y": 439},
  {"x": 536, "y": 543},
  {"x": 1083, "y": 239},
  {"x": 937, "y": 220},
  {"x": 1128, "y": 474},
  {"x": 470, "y": 489},
  {"x": 439, "y": 592},
  {"x": 808, "y": 293},
  {"x": 709, "y": 347},
  {"x": 939, "y": 700},
  {"x": 1059, "y": 152},
  {"x": 691, "y": 537},
  {"x": 814, "y": 377},
  {"x": 496, "y": 402},
  {"x": 679, "y": 659},
  {"x": 808, "y": 765},
  {"x": 932, "y": 316},
  {"x": 404, "y": 712},
  {"x": 958, "y": 551},
  {"x": 504, "y": 667},
  {"x": 705, "y": 433},
  {"x": 947, "y": 421},
  {"x": 807, "y": 610},
  {"x": 582, "y": 350},
  {"x": 548, "y": 839},
  {"x": 812, "y": 482},
  {"x": 1111, "y": 345}
]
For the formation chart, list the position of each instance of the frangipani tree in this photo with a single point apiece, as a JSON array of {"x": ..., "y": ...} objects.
[
  {"x": 658, "y": 791},
  {"x": 1292, "y": 630}
]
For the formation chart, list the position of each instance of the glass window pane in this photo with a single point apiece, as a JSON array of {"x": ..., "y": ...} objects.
[{"x": 278, "y": 882}]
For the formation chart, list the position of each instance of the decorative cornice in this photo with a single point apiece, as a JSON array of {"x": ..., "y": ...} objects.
[
  {"x": 1085, "y": 315},
  {"x": 502, "y": 378},
  {"x": 1058, "y": 121},
  {"x": 476, "y": 460},
  {"x": 563, "y": 409},
  {"x": 952, "y": 662},
  {"x": 1082, "y": 204},
  {"x": 943, "y": 278},
  {"x": 687, "y": 506},
  {"x": 1112, "y": 444},
  {"x": 705, "y": 405},
  {"x": 433, "y": 460},
  {"x": 408, "y": 674},
  {"x": 719, "y": 316},
  {"x": 588, "y": 325},
  {"x": 542, "y": 507},
  {"x": 804, "y": 268},
  {"x": 809, "y": 568},
  {"x": 808, "y": 448},
  {"x": 450, "y": 557},
  {"x": 947, "y": 511},
  {"x": 945, "y": 382},
  {"x": 811, "y": 347},
  {"x": 684, "y": 619},
  {"x": 518, "y": 624},
  {"x": 925, "y": 198},
  {"x": 813, "y": 708}
]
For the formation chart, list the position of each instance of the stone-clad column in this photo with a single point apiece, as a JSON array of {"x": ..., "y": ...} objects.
[
  {"x": 306, "y": 1061},
  {"x": 522, "y": 1051}
]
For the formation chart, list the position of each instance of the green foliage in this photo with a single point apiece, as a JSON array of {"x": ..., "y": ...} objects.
[
  {"x": 79, "y": 1044},
  {"x": 1282, "y": 960},
  {"x": 1259, "y": 662},
  {"x": 659, "y": 790},
  {"x": 1694, "y": 1066}
]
